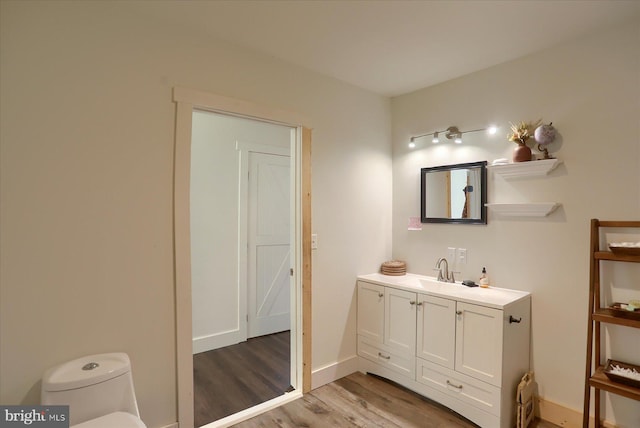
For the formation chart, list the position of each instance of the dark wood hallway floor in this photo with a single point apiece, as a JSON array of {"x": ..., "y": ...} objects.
[{"x": 231, "y": 379}]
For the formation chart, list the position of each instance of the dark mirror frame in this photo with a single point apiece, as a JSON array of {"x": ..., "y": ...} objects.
[{"x": 483, "y": 193}]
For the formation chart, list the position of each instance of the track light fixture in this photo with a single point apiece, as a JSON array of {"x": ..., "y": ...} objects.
[{"x": 452, "y": 133}]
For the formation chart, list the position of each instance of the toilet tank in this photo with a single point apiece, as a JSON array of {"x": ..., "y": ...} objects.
[{"x": 91, "y": 386}]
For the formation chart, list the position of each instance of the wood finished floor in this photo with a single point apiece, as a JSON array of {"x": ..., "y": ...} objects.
[
  {"x": 234, "y": 378},
  {"x": 360, "y": 400}
]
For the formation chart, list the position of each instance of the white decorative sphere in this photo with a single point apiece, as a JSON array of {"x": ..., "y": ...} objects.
[{"x": 545, "y": 134}]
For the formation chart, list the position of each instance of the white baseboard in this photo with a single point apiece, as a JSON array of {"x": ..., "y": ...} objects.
[
  {"x": 173, "y": 425},
  {"x": 215, "y": 341},
  {"x": 334, "y": 371},
  {"x": 563, "y": 416}
]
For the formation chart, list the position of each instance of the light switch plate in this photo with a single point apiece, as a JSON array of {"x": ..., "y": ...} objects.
[
  {"x": 462, "y": 256},
  {"x": 314, "y": 241}
]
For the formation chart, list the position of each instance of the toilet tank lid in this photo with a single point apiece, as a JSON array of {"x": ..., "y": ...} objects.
[{"x": 85, "y": 371}]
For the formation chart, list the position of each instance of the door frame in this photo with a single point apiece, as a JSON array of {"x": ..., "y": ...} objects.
[{"x": 186, "y": 101}]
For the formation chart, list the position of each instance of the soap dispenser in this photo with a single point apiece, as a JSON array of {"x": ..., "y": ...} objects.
[{"x": 484, "y": 278}]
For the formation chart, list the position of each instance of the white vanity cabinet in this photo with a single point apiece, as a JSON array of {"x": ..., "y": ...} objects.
[
  {"x": 437, "y": 345},
  {"x": 466, "y": 348},
  {"x": 468, "y": 337},
  {"x": 479, "y": 340},
  {"x": 371, "y": 311},
  {"x": 387, "y": 327},
  {"x": 400, "y": 320}
]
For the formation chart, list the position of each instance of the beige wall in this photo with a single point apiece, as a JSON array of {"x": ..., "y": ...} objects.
[
  {"x": 87, "y": 172},
  {"x": 86, "y": 185},
  {"x": 590, "y": 89}
]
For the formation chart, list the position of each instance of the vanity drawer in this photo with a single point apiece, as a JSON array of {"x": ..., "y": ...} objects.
[
  {"x": 386, "y": 357},
  {"x": 467, "y": 389}
]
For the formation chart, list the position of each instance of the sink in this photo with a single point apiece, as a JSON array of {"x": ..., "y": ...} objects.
[
  {"x": 434, "y": 284},
  {"x": 490, "y": 297},
  {"x": 431, "y": 282},
  {"x": 413, "y": 281},
  {"x": 420, "y": 282}
]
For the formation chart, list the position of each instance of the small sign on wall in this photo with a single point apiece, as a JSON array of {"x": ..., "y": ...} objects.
[{"x": 414, "y": 223}]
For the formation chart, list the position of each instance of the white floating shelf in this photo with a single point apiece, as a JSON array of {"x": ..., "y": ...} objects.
[
  {"x": 540, "y": 209},
  {"x": 534, "y": 168}
]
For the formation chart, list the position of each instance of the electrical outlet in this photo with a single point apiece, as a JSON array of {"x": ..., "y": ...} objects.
[
  {"x": 462, "y": 256},
  {"x": 451, "y": 254},
  {"x": 314, "y": 241}
]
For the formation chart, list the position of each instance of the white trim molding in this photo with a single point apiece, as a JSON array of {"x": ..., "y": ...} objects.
[
  {"x": 249, "y": 413},
  {"x": 334, "y": 371},
  {"x": 217, "y": 340},
  {"x": 219, "y": 103}
]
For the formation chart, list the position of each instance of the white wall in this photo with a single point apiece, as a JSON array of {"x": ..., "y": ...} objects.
[
  {"x": 87, "y": 142},
  {"x": 215, "y": 172},
  {"x": 590, "y": 89}
]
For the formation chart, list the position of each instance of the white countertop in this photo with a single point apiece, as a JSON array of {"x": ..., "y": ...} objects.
[{"x": 491, "y": 297}]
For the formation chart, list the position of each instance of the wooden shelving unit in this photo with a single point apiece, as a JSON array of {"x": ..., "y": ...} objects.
[{"x": 594, "y": 376}]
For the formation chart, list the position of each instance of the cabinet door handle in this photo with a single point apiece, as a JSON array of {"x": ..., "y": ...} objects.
[
  {"x": 458, "y": 312},
  {"x": 413, "y": 302},
  {"x": 419, "y": 304},
  {"x": 514, "y": 320},
  {"x": 386, "y": 357},
  {"x": 380, "y": 294},
  {"x": 454, "y": 385}
]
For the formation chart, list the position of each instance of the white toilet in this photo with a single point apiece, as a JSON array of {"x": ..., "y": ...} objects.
[{"x": 97, "y": 388}]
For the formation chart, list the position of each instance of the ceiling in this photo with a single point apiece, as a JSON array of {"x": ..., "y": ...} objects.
[{"x": 392, "y": 47}]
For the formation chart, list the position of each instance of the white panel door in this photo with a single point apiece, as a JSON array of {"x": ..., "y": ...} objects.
[
  {"x": 479, "y": 342},
  {"x": 436, "y": 330},
  {"x": 400, "y": 320},
  {"x": 268, "y": 275}
]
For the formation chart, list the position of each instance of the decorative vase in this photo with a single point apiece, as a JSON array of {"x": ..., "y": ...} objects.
[{"x": 522, "y": 153}]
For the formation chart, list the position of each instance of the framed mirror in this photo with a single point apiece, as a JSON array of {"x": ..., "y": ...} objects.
[{"x": 454, "y": 193}]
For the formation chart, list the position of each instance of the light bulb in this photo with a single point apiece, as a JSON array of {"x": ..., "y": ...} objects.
[
  {"x": 458, "y": 139},
  {"x": 435, "y": 138},
  {"x": 492, "y": 129},
  {"x": 412, "y": 145}
]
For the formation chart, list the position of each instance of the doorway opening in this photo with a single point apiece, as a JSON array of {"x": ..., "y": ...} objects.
[
  {"x": 241, "y": 264},
  {"x": 188, "y": 102}
]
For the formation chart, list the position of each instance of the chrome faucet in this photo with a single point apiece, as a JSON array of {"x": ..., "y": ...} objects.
[{"x": 444, "y": 276}]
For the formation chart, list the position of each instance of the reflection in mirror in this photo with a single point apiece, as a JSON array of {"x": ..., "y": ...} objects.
[{"x": 454, "y": 193}]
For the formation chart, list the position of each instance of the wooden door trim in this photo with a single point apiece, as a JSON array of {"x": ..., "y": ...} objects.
[{"x": 306, "y": 259}]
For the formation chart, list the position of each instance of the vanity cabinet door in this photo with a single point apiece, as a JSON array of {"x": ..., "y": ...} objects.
[
  {"x": 479, "y": 342},
  {"x": 400, "y": 320},
  {"x": 436, "y": 330},
  {"x": 371, "y": 311}
]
